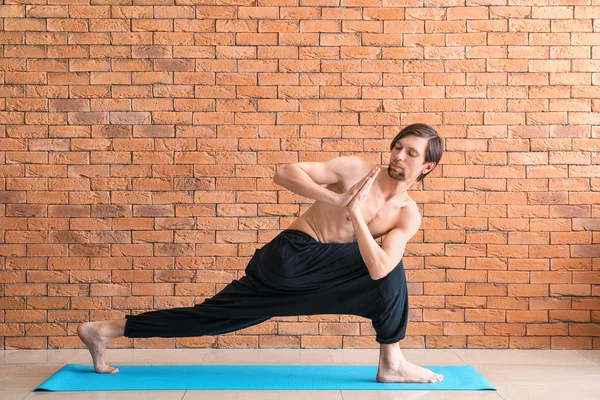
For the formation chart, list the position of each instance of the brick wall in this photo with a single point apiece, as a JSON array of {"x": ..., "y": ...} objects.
[{"x": 138, "y": 141}]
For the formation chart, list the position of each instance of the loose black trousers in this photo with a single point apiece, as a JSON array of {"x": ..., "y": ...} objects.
[{"x": 292, "y": 275}]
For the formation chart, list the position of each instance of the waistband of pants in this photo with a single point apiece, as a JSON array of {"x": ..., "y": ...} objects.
[
  {"x": 299, "y": 234},
  {"x": 294, "y": 234}
]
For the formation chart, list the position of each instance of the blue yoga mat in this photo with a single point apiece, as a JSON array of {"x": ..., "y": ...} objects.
[{"x": 74, "y": 378}]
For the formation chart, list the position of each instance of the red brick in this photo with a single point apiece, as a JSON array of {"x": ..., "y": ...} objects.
[
  {"x": 25, "y": 315},
  {"x": 466, "y": 301},
  {"x": 17, "y": 330},
  {"x": 196, "y": 342},
  {"x": 569, "y": 316},
  {"x": 14, "y": 343},
  {"x": 274, "y": 342},
  {"x": 530, "y": 290},
  {"x": 502, "y": 329},
  {"x": 529, "y": 342},
  {"x": 526, "y": 316},
  {"x": 238, "y": 341},
  {"x": 586, "y": 303},
  {"x": 444, "y": 315},
  {"x": 445, "y": 342},
  {"x": 487, "y": 342},
  {"x": 339, "y": 329},
  {"x": 555, "y": 329},
  {"x": 359, "y": 342},
  {"x": 570, "y": 289},
  {"x": 474, "y": 315},
  {"x": 321, "y": 342},
  {"x": 508, "y": 303},
  {"x": 571, "y": 343}
]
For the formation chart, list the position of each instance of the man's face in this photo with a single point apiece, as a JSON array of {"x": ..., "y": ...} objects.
[{"x": 407, "y": 160}]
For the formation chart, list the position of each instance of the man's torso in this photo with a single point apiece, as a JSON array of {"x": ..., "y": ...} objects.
[{"x": 329, "y": 224}]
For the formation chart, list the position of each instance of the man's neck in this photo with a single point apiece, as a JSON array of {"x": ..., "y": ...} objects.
[{"x": 391, "y": 188}]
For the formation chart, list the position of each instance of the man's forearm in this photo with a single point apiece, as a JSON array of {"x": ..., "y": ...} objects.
[
  {"x": 296, "y": 180},
  {"x": 377, "y": 261}
]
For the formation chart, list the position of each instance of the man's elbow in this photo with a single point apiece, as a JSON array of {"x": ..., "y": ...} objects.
[
  {"x": 279, "y": 177},
  {"x": 379, "y": 273}
]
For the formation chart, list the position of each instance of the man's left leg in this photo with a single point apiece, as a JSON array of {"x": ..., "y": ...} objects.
[
  {"x": 394, "y": 367},
  {"x": 390, "y": 324}
]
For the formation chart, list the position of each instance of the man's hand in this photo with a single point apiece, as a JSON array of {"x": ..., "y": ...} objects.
[
  {"x": 360, "y": 191},
  {"x": 346, "y": 198}
]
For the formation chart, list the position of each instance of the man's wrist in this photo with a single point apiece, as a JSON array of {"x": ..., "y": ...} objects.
[
  {"x": 335, "y": 199},
  {"x": 354, "y": 213}
]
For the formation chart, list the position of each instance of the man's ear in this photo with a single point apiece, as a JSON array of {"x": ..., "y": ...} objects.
[{"x": 430, "y": 166}]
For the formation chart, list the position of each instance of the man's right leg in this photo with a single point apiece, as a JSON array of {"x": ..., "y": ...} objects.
[
  {"x": 237, "y": 306},
  {"x": 194, "y": 321}
]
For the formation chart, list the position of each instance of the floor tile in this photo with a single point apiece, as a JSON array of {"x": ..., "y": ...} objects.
[
  {"x": 129, "y": 395},
  {"x": 543, "y": 375},
  {"x": 417, "y": 356},
  {"x": 522, "y": 357},
  {"x": 13, "y": 394},
  {"x": 39, "y": 356},
  {"x": 432, "y": 357},
  {"x": 537, "y": 392},
  {"x": 28, "y": 376},
  {"x": 593, "y": 355},
  {"x": 420, "y": 395},
  {"x": 355, "y": 356},
  {"x": 263, "y": 395}
]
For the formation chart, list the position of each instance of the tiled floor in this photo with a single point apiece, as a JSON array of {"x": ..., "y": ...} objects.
[{"x": 517, "y": 374}]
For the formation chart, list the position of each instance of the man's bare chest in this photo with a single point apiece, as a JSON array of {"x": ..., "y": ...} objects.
[{"x": 380, "y": 217}]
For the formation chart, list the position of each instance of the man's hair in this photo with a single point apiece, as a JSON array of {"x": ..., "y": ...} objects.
[{"x": 435, "y": 146}]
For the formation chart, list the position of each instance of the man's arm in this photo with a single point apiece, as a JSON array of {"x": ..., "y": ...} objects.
[
  {"x": 306, "y": 178},
  {"x": 382, "y": 260}
]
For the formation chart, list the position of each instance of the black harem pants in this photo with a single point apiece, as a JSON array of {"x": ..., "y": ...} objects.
[{"x": 290, "y": 276}]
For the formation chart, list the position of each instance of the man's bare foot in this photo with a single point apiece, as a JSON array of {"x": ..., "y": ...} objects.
[
  {"x": 90, "y": 333},
  {"x": 407, "y": 372}
]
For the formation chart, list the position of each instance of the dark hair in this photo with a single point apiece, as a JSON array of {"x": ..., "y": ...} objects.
[{"x": 435, "y": 146}]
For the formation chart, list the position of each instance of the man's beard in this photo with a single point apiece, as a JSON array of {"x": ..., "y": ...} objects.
[{"x": 397, "y": 175}]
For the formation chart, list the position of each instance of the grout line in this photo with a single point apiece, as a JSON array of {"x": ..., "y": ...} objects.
[
  {"x": 459, "y": 357},
  {"x": 76, "y": 355},
  {"x": 499, "y": 395},
  {"x": 584, "y": 355},
  {"x": 203, "y": 357}
]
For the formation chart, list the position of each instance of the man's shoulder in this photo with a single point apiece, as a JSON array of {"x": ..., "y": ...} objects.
[
  {"x": 353, "y": 161},
  {"x": 409, "y": 214},
  {"x": 351, "y": 167}
]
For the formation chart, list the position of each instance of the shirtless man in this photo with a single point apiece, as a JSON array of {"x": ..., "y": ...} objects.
[{"x": 326, "y": 262}]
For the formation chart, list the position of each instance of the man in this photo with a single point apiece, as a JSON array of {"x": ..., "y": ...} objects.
[{"x": 326, "y": 262}]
